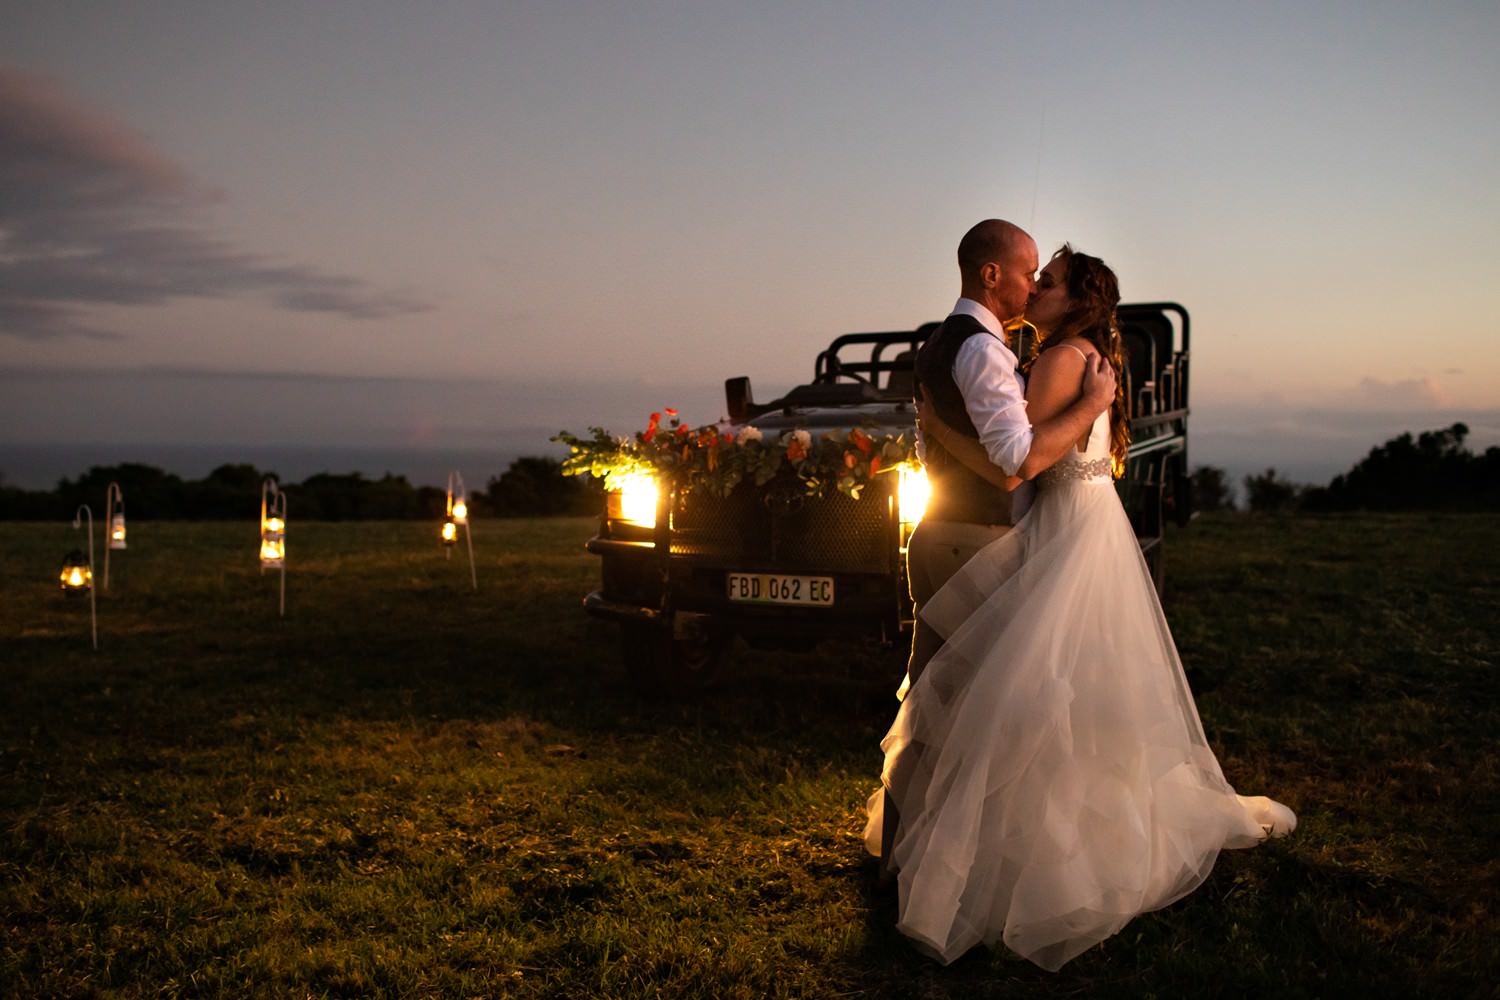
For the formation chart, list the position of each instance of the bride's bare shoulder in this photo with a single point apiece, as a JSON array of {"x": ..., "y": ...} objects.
[
  {"x": 1081, "y": 345},
  {"x": 1078, "y": 351}
]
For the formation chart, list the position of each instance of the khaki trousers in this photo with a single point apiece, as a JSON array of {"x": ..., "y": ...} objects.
[{"x": 935, "y": 551}]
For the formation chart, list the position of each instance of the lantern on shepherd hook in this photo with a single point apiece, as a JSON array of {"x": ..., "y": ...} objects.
[
  {"x": 273, "y": 533},
  {"x": 114, "y": 516},
  {"x": 77, "y": 575},
  {"x": 78, "y": 571},
  {"x": 458, "y": 516}
]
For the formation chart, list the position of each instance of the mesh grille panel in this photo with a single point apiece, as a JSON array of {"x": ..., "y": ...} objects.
[{"x": 777, "y": 527}]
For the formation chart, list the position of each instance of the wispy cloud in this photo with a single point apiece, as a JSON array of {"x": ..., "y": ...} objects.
[
  {"x": 1405, "y": 394},
  {"x": 92, "y": 214}
]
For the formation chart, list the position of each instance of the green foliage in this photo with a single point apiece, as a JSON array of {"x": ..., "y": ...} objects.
[{"x": 408, "y": 788}]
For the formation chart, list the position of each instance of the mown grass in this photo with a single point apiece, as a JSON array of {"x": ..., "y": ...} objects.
[{"x": 407, "y": 788}]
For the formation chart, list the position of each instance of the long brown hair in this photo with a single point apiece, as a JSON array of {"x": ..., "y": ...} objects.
[{"x": 1095, "y": 293}]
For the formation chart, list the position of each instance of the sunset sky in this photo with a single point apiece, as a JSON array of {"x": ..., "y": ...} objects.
[{"x": 380, "y": 224}]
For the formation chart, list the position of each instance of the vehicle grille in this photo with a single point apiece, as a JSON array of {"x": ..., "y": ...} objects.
[{"x": 776, "y": 527}]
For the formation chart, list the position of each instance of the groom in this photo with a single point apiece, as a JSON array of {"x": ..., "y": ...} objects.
[{"x": 968, "y": 372}]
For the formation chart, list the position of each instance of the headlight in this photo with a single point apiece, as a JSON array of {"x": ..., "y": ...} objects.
[
  {"x": 634, "y": 501},
  {"x": 912, "y": 492}
]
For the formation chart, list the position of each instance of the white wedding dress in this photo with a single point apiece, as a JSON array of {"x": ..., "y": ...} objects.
[{"x": 1049, "y": 767}]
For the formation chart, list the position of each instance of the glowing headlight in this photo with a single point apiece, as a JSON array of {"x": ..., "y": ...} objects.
[
  {"x": 912, "y": 492},
  {"x": 635, "y": 501}
]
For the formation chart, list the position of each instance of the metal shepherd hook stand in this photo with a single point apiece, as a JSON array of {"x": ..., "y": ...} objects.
[
  {"x": 93, "y": 605},
  {"x": 458, "y": 516},
  {"x": 114, "y": 516},
  {"x": 273, "y": 533}
]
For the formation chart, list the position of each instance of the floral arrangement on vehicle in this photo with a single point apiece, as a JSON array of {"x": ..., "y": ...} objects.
[{"x": 718, "y": 457}]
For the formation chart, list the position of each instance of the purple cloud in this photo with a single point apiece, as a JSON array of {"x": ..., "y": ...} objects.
[{"x": 91, "y": 214}]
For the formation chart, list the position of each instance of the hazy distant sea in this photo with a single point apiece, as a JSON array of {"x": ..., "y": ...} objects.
[{"x": 39, "y": 467}]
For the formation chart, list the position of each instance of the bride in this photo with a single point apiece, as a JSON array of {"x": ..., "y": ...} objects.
[{"x": 1049, "y": 768}]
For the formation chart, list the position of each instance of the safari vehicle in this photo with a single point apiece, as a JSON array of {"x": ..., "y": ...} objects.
[{"x": 780, "y": 564}]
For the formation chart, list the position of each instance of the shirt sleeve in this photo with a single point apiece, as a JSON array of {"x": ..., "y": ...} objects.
[{"x": 985, "y": 373}]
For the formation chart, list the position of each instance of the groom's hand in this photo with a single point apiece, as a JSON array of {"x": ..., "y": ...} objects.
[{"x": 1098, "y": 382}]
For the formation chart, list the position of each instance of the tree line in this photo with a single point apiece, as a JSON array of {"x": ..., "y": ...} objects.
[
  {"x": 1432, "y": 471},
  {"x": 529, "y": 487}
]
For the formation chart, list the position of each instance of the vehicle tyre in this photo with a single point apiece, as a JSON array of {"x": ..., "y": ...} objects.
[{"x": 659, "y": 664}]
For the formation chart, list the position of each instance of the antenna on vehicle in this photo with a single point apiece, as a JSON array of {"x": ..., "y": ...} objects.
[{"x": 1036, "y": 179}]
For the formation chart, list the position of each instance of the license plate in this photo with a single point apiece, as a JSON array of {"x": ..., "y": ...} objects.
[{"x": 773, "y": 588}]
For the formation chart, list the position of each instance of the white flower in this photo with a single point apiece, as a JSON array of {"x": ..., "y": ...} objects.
[
  {"x": 748, "y": 433},
  {"x": 803, "y": 438}
]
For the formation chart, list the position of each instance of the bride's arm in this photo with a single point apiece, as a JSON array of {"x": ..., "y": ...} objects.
[
  {"x": 966, "y": 449},
  {"x": 1054, "y": 384}
]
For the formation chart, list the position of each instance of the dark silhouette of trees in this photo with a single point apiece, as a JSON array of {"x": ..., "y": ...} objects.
[
  {"x": 1211, "y": 489},
  {"x": 352, "y": 497},
  {"x": 533, "y": 487},
  {"x": 1270, "y": 494},
  {"x": 1433, "y": 471}
]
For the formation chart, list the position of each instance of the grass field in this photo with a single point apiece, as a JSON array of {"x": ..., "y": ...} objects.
[{"x": 407, "y": 788}]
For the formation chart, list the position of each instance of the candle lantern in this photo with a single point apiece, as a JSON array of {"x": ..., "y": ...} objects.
[
  {"x": 77, "y": 575},
  {"x": 458, "y": 515},
  {"x": 273, "y": 533},
  {"x": 114, "y": 516}
]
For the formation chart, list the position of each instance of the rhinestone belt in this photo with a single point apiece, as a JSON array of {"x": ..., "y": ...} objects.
[{"x": 1097, "y": 469}]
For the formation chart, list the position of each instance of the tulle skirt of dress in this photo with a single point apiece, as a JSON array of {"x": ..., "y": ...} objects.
[{"x": 1049, "y": 767}]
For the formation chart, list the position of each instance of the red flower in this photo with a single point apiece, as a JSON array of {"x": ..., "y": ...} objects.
[
  {"x": 683, "y": 430},
  {"x": 874, "y": 464},
  {"x": 850, "y": 460},
  {"x": 671, "y": 412},
  {"x": 795, "y": 452},
  {"x": 651, "y": 426},
  {"x": 860, "y": 440}
]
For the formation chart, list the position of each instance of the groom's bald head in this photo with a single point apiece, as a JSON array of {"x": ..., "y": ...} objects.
[
  {"x": 990, "y": 241},
  {"x": 997, "y": 266}
]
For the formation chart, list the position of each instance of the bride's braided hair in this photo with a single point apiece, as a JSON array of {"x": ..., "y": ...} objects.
[{"x": 1095, "y": 292}]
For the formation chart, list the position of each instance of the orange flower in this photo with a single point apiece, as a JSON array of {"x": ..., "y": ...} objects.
[
  {"x": 850, "y": 460},
  {"x": 860, "y": 440},
  {"x": 796, "y": 451},
  {"x": 874, "y": 464}
]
